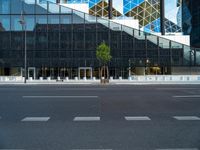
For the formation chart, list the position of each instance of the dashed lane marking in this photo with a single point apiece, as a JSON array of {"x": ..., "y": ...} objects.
[
  {"x": 137, "y": 118},
  {"x": 42, "y": 119},
  {"x": 87, "y": 119},
  {"x": 186, "y": 118}
]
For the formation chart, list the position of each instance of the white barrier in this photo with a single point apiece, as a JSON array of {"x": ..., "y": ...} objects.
[
  {"x": 160, "y": 78},
  {"x": 147, "y": 78},
  {"x": 11, "y": 78}
]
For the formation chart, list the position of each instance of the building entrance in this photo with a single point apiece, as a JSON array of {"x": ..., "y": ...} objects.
[
  {"x": 31, "y": 72},
  {"x": 85, "y": 73}
]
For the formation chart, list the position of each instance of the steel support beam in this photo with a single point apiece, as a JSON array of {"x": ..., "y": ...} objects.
[
  {"x": 110, "y": 7},
  {"x": 162, "y": 17}
]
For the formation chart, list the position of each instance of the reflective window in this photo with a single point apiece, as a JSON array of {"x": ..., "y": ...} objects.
[
  {"x": 65, "y": 19},
  {"x": 53, "y": 8},
  {"x": 41, "y": 23},
  {"x": 53, "y": 19},
  {"x": 30, "y": 22},
  {"x": 4, "y": 22},
  {"x": 29, "y": 6},
  {"x": 41, "y": 8},
  {"x": 16, "y": 7},
  {"x": 15, "y": 25},
  {"x": 4, "y": 6}
]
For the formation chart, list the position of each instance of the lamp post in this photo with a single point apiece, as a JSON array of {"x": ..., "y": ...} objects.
[{"x": 23, "y": 24}]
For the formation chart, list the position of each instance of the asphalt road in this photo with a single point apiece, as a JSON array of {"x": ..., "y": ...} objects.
[{"x": 114, "y": 117}]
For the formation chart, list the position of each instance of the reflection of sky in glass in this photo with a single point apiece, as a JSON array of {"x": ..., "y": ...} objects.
[{"x": 171, "y": 10}]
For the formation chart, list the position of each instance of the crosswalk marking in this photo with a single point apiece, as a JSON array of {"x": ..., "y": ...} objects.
[
  {"x": 42, "y": 119},
  {"x": 186, "y": 118},
  {"x": 87, "y": 119},
  {"x": 137, "y": 118}
]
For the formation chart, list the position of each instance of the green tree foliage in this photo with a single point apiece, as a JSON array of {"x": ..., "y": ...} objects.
[{"x": 103, "y": 53}]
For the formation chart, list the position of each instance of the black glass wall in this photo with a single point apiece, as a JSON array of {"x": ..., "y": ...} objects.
[{"x": 60, "y": 40}]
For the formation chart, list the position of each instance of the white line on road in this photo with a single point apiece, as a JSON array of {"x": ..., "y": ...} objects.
[
  {"x": 187, "y": 96},
  {"x": 176, "y": 88},
  {"x": 60, "y": 96},
  {"x": 87, "y": 119},
  {"x": 11, "y": 149},
  {"x": 43, "y": 119},
  {"x": 186, "y": 118},
  {"x": 91, "y": 149},
  {"x": 179, "y": 149},
  {"x": 137, "y": 118}
]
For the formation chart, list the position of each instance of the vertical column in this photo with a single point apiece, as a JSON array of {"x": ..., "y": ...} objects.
[
  {"x": 162, "y": 17},
  {"x": 110, "y": 9}
]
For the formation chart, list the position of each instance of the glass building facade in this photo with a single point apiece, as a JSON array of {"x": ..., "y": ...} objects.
[
  {"x": 191, "y": 21},
  {"x": 62, "y": 42}
]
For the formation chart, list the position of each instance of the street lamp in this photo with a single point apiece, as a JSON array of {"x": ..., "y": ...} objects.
[{"x": 23, "y": 24}]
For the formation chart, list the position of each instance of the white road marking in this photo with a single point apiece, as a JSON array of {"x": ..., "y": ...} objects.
[
  {"x": 91, "y": 149},
  {"x": 179, "y": 149},
  {"x": 11, "y": 149},
  {"x": 186, "y": 118},
  {"x": 87, "y": 119},
  {"x": 177, "y": 88},
  {"x": 60, "y": 96},
  {"x": 187, "y": 96},
  {"x": 137, "y": 118},
  {"x": 43, "y": 119}
]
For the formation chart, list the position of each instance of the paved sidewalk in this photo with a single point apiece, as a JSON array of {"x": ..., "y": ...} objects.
[{"x": 96, "y": 82}]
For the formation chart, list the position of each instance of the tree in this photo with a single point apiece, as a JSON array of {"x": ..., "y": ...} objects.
[{"x": 103, "y": 55}]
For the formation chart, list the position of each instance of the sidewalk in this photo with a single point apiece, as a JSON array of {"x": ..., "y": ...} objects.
[{"x": 95, "y": 82}]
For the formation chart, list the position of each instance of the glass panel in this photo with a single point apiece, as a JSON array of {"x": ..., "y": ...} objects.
[
  {"x": 127, "y": 42},
  {"x": 4, "y": 22},
  {"x": 29, "y": 6},
  {"x": 16, "y": 6},
  {"x": 30, "y": 22},
  {"x": 152, "y": 49},
  {"x": 17, "y": 40},
  {"x": 5, "y": 41},
  {"x": 188, "y": 55},
  {"x": 15, "y": 25},
  {"x": 139, "y": 34},
  {"x": 4, "y": 6},
  {"x": 164, "y": 52},
  {"x": 164, "y": 43},
  {"x": 53, "y": 19},
  {"x": 102, "y": 30},
  {"x": 115, "y": 27},
  {"x": 41, "y": 8},
  {"x": 198, "y": 57},
  {"x": 41, "y": 23},
  {"x": 65, "y": 10},
  {"x": 53, "y": 8},
  {"x": 177, "y": 54},
  {"x": 90, "y": 19},
  {"x": 65, "y": 19},
  {"x": 90, "y": 32},
  {"x": 78, "y": 17}
]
